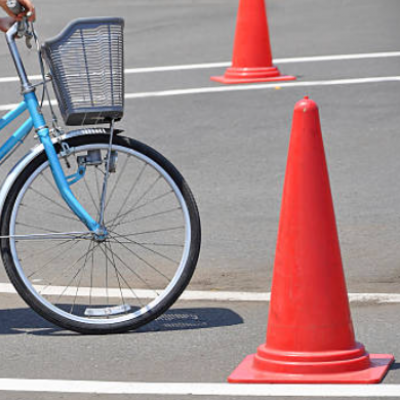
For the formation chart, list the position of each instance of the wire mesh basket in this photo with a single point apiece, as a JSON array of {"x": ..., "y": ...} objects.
[{"x": 86, "y": 61}]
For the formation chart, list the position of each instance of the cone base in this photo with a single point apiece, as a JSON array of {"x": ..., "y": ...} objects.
[
  {"x": 246, "y": 373},
  {"x": 234, "y": 75},
  {"x": 228, "y": 81}
]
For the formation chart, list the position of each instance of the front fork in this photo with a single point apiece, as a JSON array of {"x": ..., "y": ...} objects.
[{"x": 55, "y": 166}]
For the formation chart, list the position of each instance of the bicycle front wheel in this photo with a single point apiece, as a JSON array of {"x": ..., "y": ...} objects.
[{"x": 101, "y": 284}]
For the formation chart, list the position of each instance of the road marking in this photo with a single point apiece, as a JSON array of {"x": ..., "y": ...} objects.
[
  {"x": 236, "y": 88},
  {"x": 197, "y": 389},
  {"x": 8, "y": 107},
  {"x": 339, "y": 57},
  {"x": 167, "y": 68},
  {"x": 192, "y": 295}
]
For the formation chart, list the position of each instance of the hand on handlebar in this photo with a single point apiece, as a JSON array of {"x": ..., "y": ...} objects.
[
  {"x": 29, "y": 10},
  {"x": 6, "y": 23}
]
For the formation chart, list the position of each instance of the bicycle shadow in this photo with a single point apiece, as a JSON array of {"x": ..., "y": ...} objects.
[
  {"x": 26, "y": 321},
  {"x": 193, "y": 318}
]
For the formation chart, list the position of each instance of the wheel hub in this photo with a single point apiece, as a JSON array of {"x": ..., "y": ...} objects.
[{"x": 101, "y": 235}]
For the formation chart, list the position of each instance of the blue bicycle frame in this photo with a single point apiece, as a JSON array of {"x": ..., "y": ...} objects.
[{"x": 37, "y": 121}]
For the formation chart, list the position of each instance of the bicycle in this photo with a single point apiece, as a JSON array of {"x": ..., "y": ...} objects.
[{"x": 99, "y": 233}]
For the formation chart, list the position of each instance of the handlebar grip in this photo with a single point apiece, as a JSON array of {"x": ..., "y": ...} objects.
[{"x": 15, "y": 7}]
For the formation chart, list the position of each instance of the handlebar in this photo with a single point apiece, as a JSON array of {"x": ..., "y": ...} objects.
[
  {"x": 15, "y": 7},
  {"x": 22, "y": 26},
  {"x": 19, "y": 29}
]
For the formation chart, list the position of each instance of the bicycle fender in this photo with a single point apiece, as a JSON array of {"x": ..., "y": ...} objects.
[{"x": 36, "y": 151}]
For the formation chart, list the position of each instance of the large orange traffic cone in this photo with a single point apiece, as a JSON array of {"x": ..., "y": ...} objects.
[
  {"x": 252, "y": 58},
  {"x": 310, "y": 337}
]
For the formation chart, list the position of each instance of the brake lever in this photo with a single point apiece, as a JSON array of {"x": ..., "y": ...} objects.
[
  {"x": 28, "y": 33},
  {"x": 23, "y": 30},
  {"x": 28, "y": 39}
]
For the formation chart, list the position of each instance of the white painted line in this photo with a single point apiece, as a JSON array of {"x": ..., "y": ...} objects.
[
  {"x": 8, "y": 107},
  {"x": 341, "y": 57},
  {"x": 275, "y": 85},
  {"x": 98, "y": 292},
  {"x": 7, "y": 288},
  {"x": 236, "y": 88},
  {"x": 183, "y": 67},
  {"x": 199, "y": 295},
  {"x": 11, "y": 106},
  {"x": 191, "y": 295},
  {"x": 377, "y": 298},
  {"x": 16, "y": 79},
  {"x": 197, "y": 389}
]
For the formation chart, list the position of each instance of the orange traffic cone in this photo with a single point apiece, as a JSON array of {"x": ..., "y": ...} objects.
[
  {"x": 252, "y": 58},
  {"x": 310, "y": 337}
]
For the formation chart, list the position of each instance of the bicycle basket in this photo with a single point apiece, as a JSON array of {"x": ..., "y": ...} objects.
[{"x": 86, "y": 61}]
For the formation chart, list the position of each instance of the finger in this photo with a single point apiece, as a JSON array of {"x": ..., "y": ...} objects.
[
  {"x": 32, "y": 17},
  {"x": 10, "y": 13},
  {"x": 30, "y": 14}
]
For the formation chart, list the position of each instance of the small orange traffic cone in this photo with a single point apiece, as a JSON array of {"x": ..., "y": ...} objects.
[
  {"x": 310, "y": 337},
  {"x": 252, "y": 58}
]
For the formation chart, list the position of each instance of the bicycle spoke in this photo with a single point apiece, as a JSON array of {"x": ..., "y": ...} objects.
[
  {"x": 126, "y": 283},
  {"x": 130, "y": 269},
  {"x": 47, "y": 212},
  {"x": 90, "y": 195},
  {"x": 152, "y": 200},
  {"x": 131, "y": 190},
  {"x": 106, "y": 276},
  {"x": 143, "y": 260},
  {"x": 40, "y": 228},
  {"x": 33, "y": 254},
  {"x": 154, "y": 231},
  {"x": 53, "y": 236},
  {"x": 91, "y": 279},
  {"x": 157, "y": 214},
  {"x": 116, "y": 183},
  {"x": 51, "y": 200},
  {"x": 51, "y": 184},
  {"x": 96, "y": 172},
  {"x": 117, "y": 274},
  {"x": 143, "y": 195},
  {"x": 80, "y": 279},
  {"x": 147, "y": 248},
  {"x": 64, "y": 271},
  {"x": 49, "y": 263},
  {"x": 131, "y": 210},
  {"x": 70, "y": 282},
  {"x": 160, "y": 244}
]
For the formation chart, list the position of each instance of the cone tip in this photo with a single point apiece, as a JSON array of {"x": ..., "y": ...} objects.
[{"x": 306, "y": 104}]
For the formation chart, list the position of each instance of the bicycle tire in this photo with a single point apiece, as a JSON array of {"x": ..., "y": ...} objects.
[{"x": 122, "y": 317}]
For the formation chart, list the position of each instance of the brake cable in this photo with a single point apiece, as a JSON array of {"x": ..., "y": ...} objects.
[{"x": 57, "y": 130}]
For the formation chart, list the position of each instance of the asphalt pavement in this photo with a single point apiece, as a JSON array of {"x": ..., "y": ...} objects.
[
  {"x": 231, "y": 147},
  {"x": 195, "y": 342}
]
